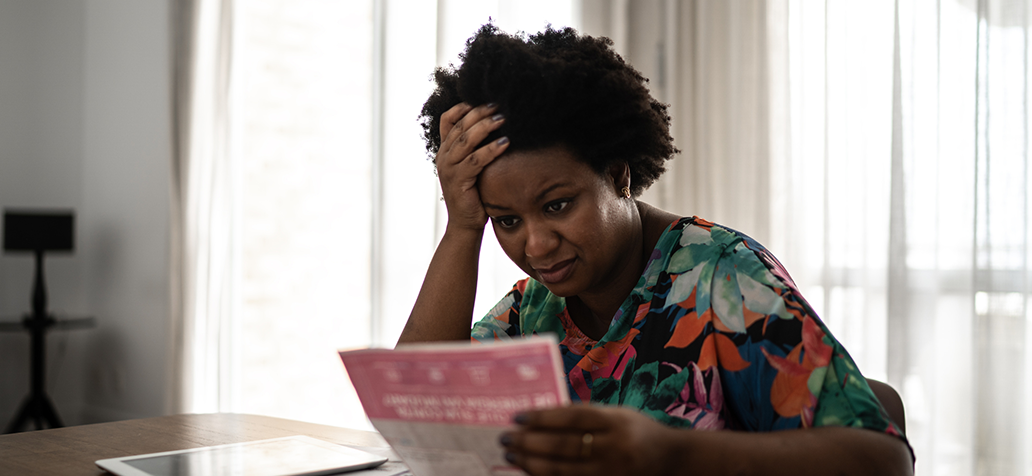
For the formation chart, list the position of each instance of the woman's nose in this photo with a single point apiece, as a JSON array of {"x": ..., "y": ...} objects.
[{"x": 541, "y": 240}]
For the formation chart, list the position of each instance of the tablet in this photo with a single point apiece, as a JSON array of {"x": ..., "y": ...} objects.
[{"x": 291, "y": 455}]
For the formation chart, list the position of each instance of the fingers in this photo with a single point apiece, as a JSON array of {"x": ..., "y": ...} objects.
[
  {"x": 452, "y": 116},
  {"x": 569, "y": 445},
  {"x": 464, "y": 127},
  {"x": 550, "y": 453},
  {"x": 459, "y": 161},
  {"x": 622, "y": 441},
  {"x": 559, "y": 433}
]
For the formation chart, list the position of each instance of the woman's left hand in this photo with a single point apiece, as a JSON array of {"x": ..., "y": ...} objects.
[{"x": 589, "y": 440}]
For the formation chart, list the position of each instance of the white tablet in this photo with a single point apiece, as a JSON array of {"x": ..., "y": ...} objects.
[{"x": 291, "y": 455}]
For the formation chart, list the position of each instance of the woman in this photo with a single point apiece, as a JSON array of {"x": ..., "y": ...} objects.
[{"x": 676, "y": 323}]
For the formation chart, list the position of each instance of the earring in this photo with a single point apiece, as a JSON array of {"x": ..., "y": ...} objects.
[{"x": 626, "y": 191}]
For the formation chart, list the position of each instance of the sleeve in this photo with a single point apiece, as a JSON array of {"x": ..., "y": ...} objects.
[
  {"x": 798, "y": 375},
  {"x": 502, "y": 322}
]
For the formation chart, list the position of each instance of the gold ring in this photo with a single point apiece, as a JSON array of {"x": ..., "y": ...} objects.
[{"x": 585, "y": 449}]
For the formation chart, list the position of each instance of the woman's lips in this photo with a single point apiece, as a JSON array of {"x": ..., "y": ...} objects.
[{"x": 556, "y": 273}]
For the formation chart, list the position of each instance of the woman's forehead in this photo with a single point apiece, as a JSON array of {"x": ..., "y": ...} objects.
[{"x": 530, "y": 176}]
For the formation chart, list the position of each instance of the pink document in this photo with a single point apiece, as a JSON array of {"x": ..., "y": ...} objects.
[{"x": 443, "y": 406}]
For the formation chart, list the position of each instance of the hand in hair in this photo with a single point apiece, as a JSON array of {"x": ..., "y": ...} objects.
[
  {"x": 444, "y": 307},
  {"x": 459, "y": 162},
  {"x": 558, "y": 88}
]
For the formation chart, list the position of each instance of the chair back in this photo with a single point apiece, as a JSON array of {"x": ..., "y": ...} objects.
[{"x": 891, "y": 401}]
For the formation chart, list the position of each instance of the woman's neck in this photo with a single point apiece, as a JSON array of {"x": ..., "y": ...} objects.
[
  {"x": 653, "y": 223},
  {"x": 593, "y": 312}
]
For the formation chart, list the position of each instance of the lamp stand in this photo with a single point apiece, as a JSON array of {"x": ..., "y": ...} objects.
[{"x": 37, "y": 405}]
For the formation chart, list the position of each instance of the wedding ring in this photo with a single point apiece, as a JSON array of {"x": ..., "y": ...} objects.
[{"x": 585, "y": 449}]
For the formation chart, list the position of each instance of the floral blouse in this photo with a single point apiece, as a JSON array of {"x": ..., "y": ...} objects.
[{"x": 714, "y": 336}]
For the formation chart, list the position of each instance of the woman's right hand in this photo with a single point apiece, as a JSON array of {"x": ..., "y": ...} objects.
[
  {"x": 444, "y": 307},
  {"x": 463, "y": 127}
]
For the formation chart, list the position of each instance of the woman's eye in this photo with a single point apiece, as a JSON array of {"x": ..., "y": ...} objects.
[
  {"x": 556, "y": 205},
  {"x": 505, "y": 222}
]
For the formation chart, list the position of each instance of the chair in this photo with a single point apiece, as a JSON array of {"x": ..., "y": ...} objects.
[{"x": 891, "y": 401}]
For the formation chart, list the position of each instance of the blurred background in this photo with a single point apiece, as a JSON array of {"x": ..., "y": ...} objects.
[{"x": 252, "y": 192}]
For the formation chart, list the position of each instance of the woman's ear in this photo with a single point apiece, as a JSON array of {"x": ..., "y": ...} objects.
[{"x": 620, "y": 174}]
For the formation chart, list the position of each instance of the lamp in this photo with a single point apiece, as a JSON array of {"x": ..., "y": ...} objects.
[{"x": 38, "y": 232}]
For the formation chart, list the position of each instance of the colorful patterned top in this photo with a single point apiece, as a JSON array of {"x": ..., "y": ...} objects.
[{"x": 714, "y": 336}]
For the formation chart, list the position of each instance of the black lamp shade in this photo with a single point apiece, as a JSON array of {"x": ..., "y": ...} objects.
[{"x": 39, "y": 230}]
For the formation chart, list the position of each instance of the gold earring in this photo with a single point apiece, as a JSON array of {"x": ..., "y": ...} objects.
[{"x": 626, "y": 191}]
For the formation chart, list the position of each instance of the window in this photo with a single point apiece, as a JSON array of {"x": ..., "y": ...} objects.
[{"x": 329, "y": 156}]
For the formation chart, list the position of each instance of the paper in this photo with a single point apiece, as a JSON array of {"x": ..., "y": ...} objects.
[{"x": 442, "y": 407}]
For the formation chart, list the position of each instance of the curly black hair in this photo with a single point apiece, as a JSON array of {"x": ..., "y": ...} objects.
[{"x": 558, "y": 88}]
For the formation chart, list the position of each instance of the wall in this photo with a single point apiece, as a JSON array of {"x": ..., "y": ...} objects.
[{"x": 84, "y": 124}]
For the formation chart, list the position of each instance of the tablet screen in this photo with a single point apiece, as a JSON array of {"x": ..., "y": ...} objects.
[{"x": 275, "y": 457}]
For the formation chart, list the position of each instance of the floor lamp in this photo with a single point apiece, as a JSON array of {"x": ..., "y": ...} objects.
[{"x": 38, "y": 232}]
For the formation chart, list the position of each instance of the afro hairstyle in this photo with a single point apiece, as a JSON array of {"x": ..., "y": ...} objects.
[{"x": 558, "y": 88}]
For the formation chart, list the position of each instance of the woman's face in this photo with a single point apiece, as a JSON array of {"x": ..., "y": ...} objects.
[{"x": 562, "y": 223}]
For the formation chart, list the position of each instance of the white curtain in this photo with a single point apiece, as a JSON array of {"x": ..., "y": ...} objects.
[
  {"x": 880, "y": 149},
  {"x": 960, "y": 232},
  {"x": 708, "y": 61},
  {"x": 305, "y": 224},
  {"x": 202, "y": 206}
]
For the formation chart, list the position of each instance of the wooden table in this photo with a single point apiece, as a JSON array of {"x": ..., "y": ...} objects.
[{"x": 73, "y": 450}]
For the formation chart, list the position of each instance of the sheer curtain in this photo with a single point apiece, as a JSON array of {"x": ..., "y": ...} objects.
[
  {"x": 920, "y": 133},
  {"x": 880, "y": 149},
  {"x": 202, "y": 206},
  {"x": 305, "y": 208},
  {"x": 960, "y": 167},
  {"x": 708, "y": 61}
]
